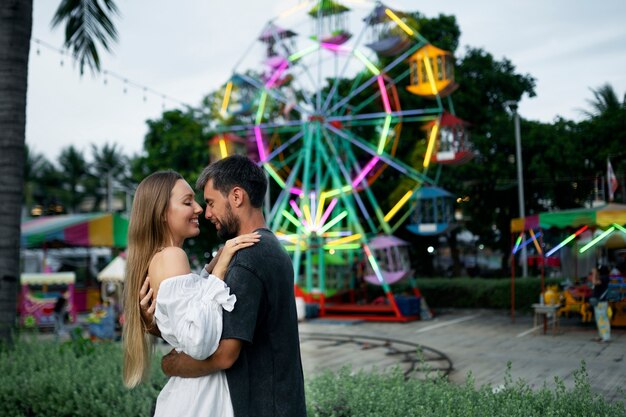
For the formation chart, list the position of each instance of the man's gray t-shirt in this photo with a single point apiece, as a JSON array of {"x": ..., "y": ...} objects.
[{"x": 266, "y": 379}]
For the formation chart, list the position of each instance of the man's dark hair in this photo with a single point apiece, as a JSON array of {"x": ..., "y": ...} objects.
[{"x": 235, "y": 171}]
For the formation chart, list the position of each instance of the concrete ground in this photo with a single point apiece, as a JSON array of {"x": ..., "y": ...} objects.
[{"x": 481, "y": 342}]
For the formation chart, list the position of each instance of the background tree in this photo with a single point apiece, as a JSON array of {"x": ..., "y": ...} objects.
[
  {"x": 74, "y": 173},
  {"x": 109, "y": 169}
]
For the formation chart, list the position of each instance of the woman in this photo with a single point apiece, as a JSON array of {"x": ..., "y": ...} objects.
[{"x": 188, "y": 307}]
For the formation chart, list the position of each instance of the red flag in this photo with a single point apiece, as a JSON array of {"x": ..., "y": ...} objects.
[{"x": 611, "y": 180}]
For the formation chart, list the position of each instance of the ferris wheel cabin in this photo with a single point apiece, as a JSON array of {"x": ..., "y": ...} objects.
[
  {"x": 452, "y": 138},
  {"x": 386, "y": 38},
  {"x": 432, "y": 72},
  {"x": 331, "y": 16}
]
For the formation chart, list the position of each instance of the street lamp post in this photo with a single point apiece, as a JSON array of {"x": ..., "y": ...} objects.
[{"x": 511, "y": 106}]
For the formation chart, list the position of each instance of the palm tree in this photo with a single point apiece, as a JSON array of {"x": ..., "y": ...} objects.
[
  {"x": 109, "y": 166},
  {"x": 605, "y": 101},
  {"x": 88, "y": 23},
  {"x": 74, "y": 172}
]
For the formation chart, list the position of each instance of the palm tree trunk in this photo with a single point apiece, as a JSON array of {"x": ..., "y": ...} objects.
[{"x": 15, "y": 31}]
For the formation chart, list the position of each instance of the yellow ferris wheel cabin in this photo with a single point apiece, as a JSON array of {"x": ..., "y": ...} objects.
[{"x": 432, "y": 72}]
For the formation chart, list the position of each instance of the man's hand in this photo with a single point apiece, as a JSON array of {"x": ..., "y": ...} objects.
[
  {"x": 147, "y": 306},
  {"x": 180, "y": 364}
]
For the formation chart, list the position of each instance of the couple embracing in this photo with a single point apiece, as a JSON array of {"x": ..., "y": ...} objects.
[{"x": 233, "y": 328}]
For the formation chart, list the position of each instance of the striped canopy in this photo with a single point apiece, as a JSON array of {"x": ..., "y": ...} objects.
[
  {"x": 89, "y": 229},
  {"x": 602, "y": 216}
]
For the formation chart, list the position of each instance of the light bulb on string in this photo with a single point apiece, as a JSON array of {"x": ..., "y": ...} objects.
[
  {"x": 125, "y": 86},
  {"x": 145, "y": 98},
  {"x": 105, "y": 79}
]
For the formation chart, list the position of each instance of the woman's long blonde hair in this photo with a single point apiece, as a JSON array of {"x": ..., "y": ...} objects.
[{"x": 147, "y": 232}]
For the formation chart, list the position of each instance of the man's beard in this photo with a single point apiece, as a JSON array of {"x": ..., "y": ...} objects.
[{"x": 229, "y": 225}]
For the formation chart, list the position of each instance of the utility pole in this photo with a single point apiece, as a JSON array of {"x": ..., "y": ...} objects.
[{"x": 511, "y": 107}]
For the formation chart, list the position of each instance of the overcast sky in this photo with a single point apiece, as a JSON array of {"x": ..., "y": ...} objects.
[{"x": 187, "y": 48}]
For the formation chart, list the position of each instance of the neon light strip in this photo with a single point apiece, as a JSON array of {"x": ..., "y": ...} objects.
[
  {"x": 337, "y": 234},
  {"x": 399, "y": 21},
  {"x": 229, "y": 88},
  {"x": 274, "y": 175},
  {"x": 365, "y": 171},
  {"x": 597, "y": 239},
  {"x": 532, "y": 234},
  {"x": 337, "y": 191},
  {"x": 223, "y": 150},
  {"x": 306, "y": 51},
  {"x": 383, "y": 94},
  {"x": 296, "y": 191},
  {"x": 292, "y": 219},
  {"x": 526, "y": 242},
  {"x": 518, "y": 242},
  {"x": 272, "y": 81},
  {"x": 398, "y": 205},
  {"x": 343, "y": 247},
  {"x": 332, "y": 47},
  {"x": 344, "y": 239},
  {"x": 429, "y": 72},
  {"x": 383, "y": 136},
  {"x": 312, "y": 201},
  {"x": 307, "y": 216},
  {"x": 288, "y": 238},
  {"x": 372, "y": 261},
  {"x": 366, "y": 62},
  {"x": 329, "y": 210},
  {"x": 295, "y": 208},
  {"x": 566, "y": 241},
  {"x": 320, "y": 208},
  {"x": 620, "y": 228},
  {"x": 431, "y": 143},
  {"x": 261, "y": 109},
  {"x": 334, "y": 221},
  {"x": 259, "y": 143}
]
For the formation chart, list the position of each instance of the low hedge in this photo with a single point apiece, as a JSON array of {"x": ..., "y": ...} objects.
[
  {"x": 492, "y": 293},
  {"x": 79, "y": 378},
  {"x": 364, "y": 394},
  {"x": 76, "y": 378}
]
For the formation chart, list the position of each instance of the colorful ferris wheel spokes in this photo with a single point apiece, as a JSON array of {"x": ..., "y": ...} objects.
[{"x": 325, "y": 118}]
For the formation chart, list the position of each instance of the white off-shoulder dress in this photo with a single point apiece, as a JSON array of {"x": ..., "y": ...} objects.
[{"x": 189, "y": 316}]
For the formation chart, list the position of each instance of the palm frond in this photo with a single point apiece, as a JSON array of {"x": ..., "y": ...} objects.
[{"x": 88, "y": 25}]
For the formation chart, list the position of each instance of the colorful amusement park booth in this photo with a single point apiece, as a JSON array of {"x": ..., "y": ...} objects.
[
  {"x": 40, "y": 292},
  {"x": 78, "y": 238},
  {"x": 579, "y": 239}
]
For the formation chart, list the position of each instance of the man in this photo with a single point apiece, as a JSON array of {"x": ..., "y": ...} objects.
[{"x": 260, "y": 347}]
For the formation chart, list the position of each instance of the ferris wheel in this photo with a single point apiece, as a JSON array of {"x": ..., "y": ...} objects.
[{"x": 319, "y": 108}]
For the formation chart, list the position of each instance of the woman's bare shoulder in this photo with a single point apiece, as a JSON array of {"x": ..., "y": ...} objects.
[{"x": 169, "y": 262}]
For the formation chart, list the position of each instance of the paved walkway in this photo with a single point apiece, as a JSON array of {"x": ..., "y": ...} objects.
[{"x": 481, "y": 341}]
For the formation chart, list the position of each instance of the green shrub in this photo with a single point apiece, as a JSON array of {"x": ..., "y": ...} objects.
[
  {"x": 81, "y": 378},
  {"x": 362, "y": 394},
  {"x": 76, "y": 378},
  {"x": 481, "y": 292}
]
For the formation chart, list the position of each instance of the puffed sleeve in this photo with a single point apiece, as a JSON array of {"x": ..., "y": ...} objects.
[{"x": 189, "y": 313}]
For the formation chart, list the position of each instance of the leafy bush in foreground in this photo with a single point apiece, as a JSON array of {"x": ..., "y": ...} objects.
[
  {"x": 75, "y": 378},
  {"x": 364, "y": 394},
  {"x": 80, "y": 378}
]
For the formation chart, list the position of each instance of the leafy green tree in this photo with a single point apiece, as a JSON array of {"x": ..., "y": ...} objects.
[{"x": 176, "y": 141}]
